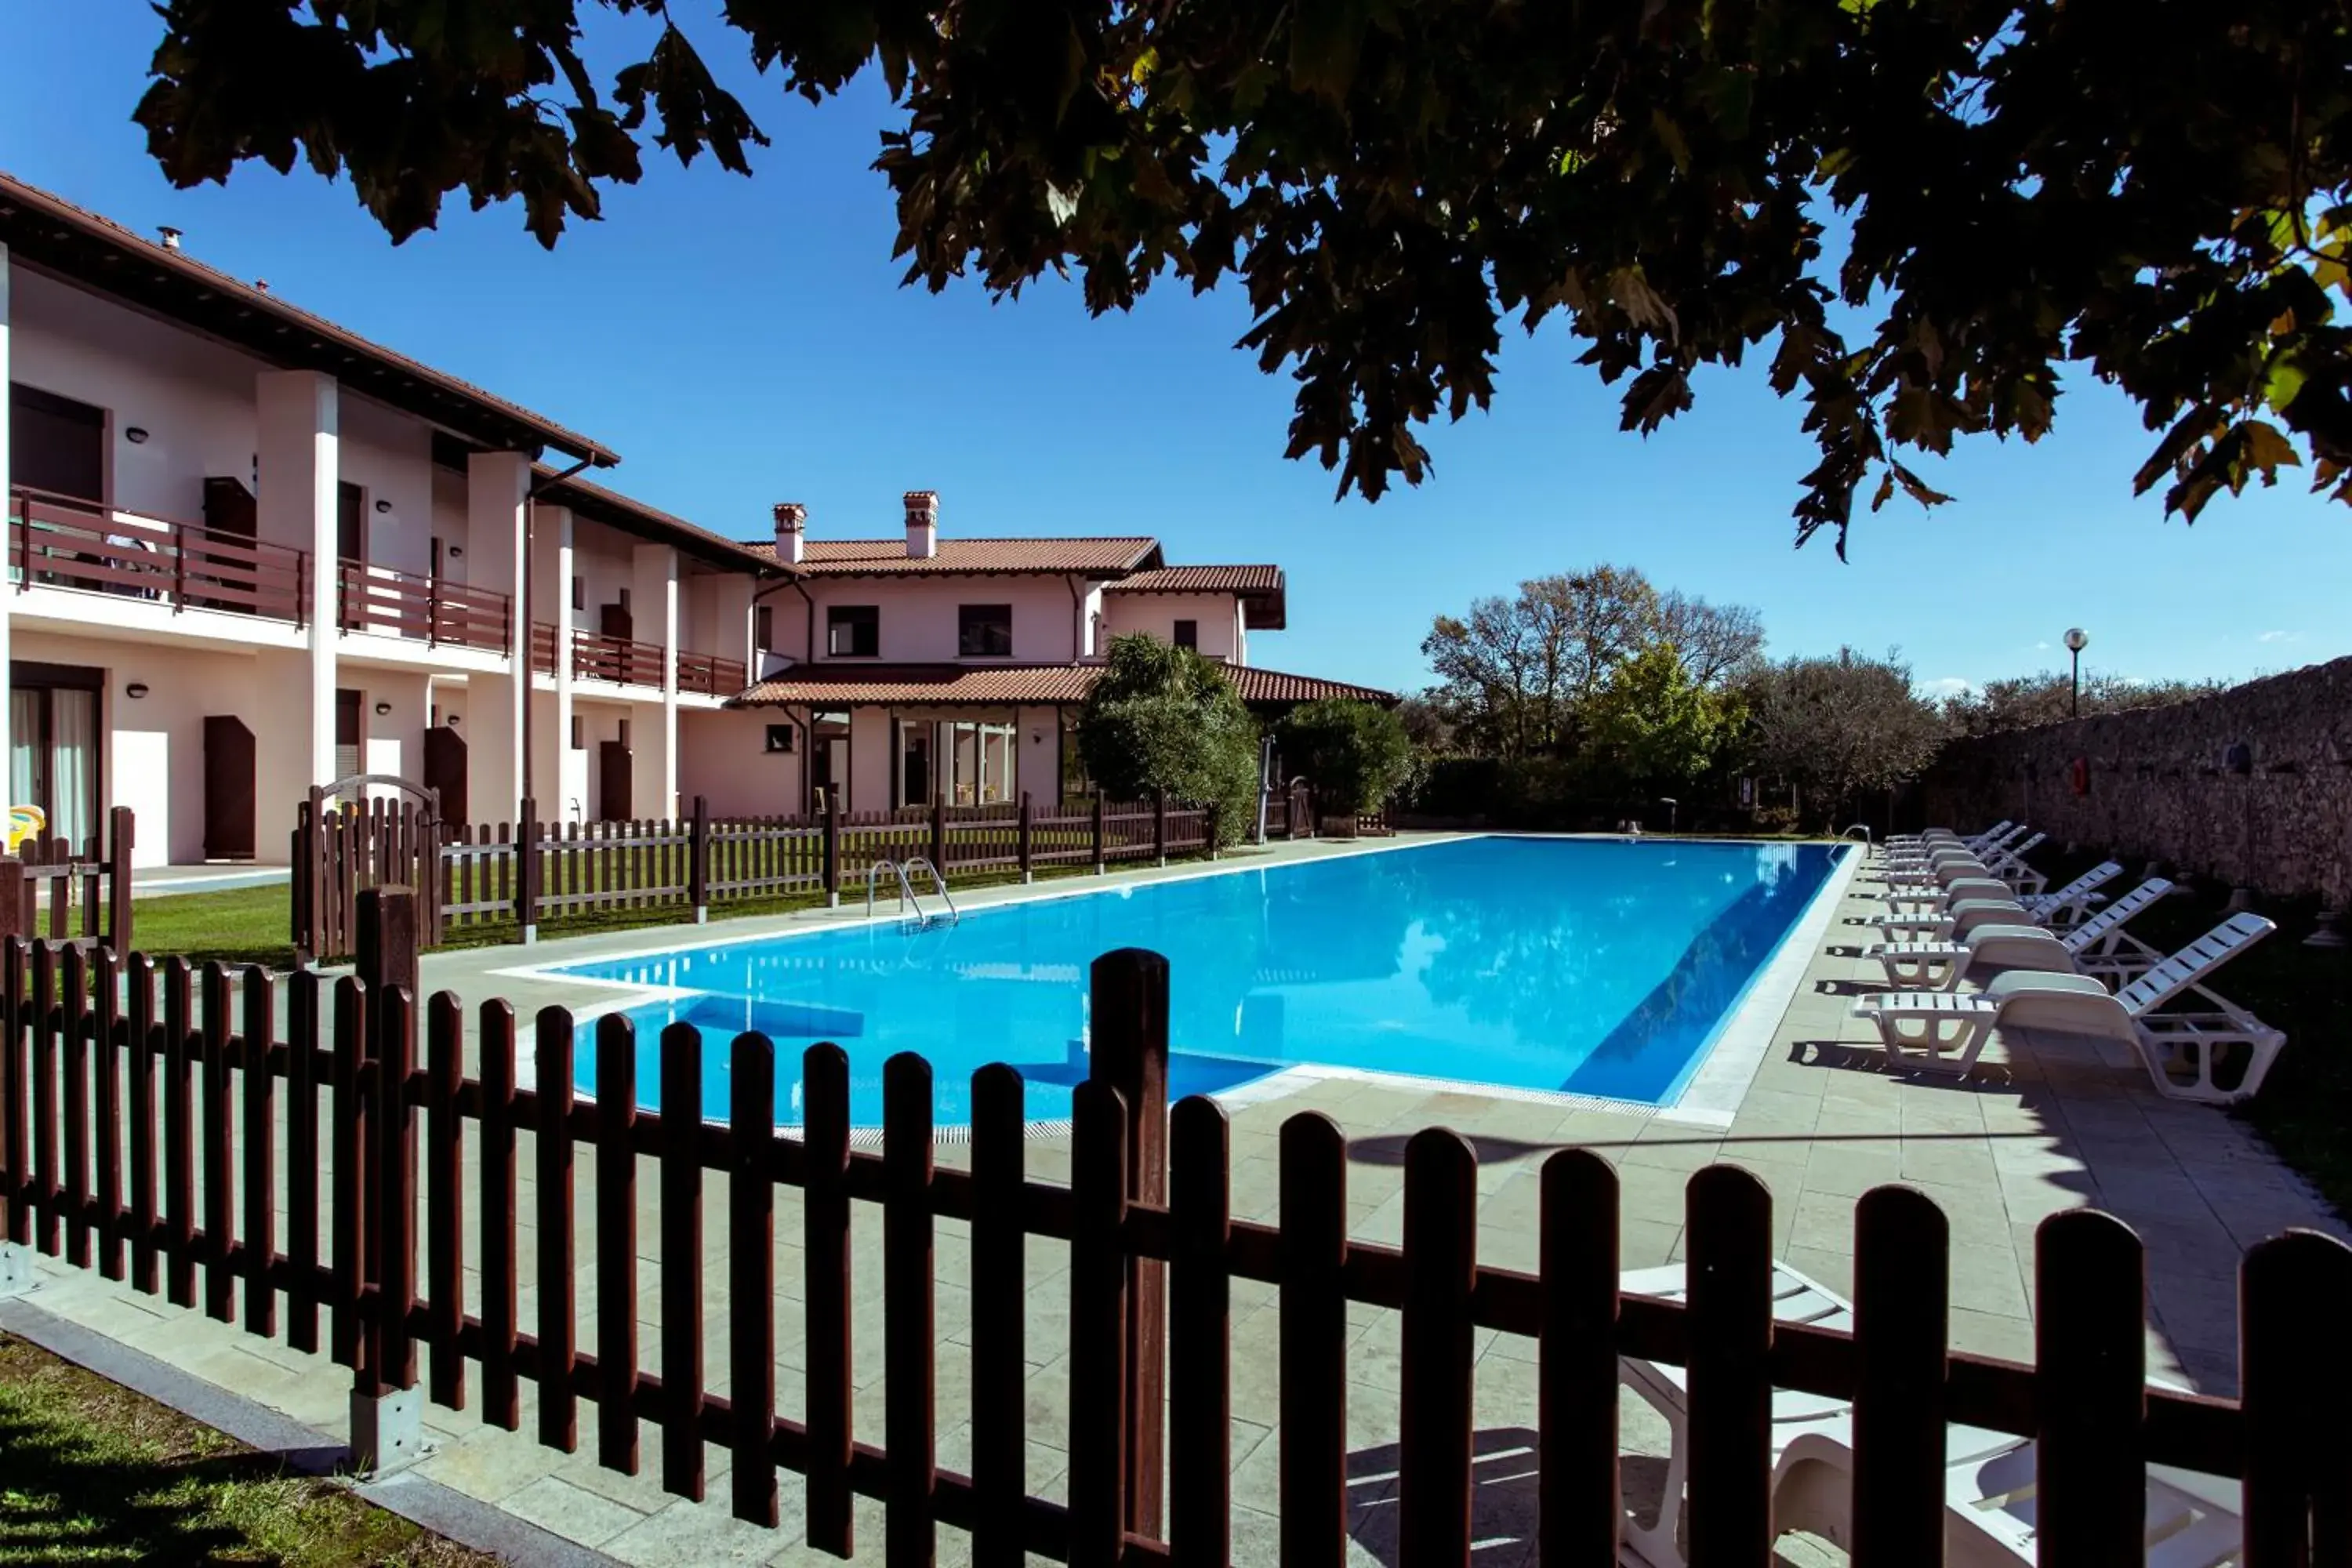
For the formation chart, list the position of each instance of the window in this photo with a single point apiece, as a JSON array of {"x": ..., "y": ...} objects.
[
  {"x": 579, "y": 733},
  {"x": 763, "y": 627},
  {"x": 56, "y": 443},
  {"x": 853, "y": 631},
  {"x": 1188, "y": 633},
  {"x": 579, "y": 592},
  {"x": 350, "y": 520},
  {"x": 985, "y": 631},
  {"x": 350, "y": 733},
  {"x": 780, "y": 738},
  {"x": 54, "y": 746}
]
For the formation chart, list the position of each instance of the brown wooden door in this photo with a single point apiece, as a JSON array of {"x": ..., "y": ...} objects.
[
  {"x": 445, "y": 771},
  {"x": 615, "y": 768},
  {"x": 229, "y": 826},
  {"x": 615, "y": 621}
]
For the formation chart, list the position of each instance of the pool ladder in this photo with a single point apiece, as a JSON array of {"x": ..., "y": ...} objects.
[{"x": 898, "y": 870}]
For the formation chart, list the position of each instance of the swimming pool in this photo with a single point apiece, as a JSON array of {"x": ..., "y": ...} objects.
[{"x": 1588, "y": 967}]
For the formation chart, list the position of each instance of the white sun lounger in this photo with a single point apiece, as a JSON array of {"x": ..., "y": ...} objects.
[
  {"x": 1990, "y": 1494},
  {"x": 2095, "y": 947},
  {"x": 2001, "y": 833},
  {"x": 2065, "y": 907},
  {"x": 1988, "y": 847},
  {"x": 1947, "y": 1032}
]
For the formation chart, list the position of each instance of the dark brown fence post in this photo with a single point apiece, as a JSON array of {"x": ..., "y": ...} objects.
[
  {"x": 120, "y": 836},
  {"x": 2090, "y": 1365},
  {"x": 1026, "y": 849},
  {"x": 1579, "y": 1514},
  {"x": 527, "y": 871},
  {"x": 387, "y": 1413},
  {"x": 939, "y": 831},
  {"x": 1130, "y": 1054},
  {"x": 1098, "y": 828},
  {"x": 1441, "y": 1236},
  {"x": 13, "y": 898},
  {"x": 1101, "y": 1424},
  {"x": 1900, "y": 1295},
  {"x": 832, "y": 847},
  {"x": 1160, "y": 826},
  {"x": 1729, "y": 1244},
  {"x": 697, "y": 861},
  {"x": 2297, "y": 1375}
]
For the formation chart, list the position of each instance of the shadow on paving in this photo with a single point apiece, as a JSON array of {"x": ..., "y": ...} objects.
[{"x": 1504, "y": 1507}]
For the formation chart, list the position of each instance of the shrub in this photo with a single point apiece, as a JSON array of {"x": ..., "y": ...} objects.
[
  {"x": 1356, "y": 754},
  {"x": 1162, "y": 720}
]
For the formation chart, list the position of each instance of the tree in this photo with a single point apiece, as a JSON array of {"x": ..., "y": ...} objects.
[
  {"x": 2049, "y": 698},
  {"x": 1840, "y": 727},
  {"x": 1718, "y": 643},
  {"x": 2154, "y": 194},
  {"x": 1656, "y": 725},
  {"x": 1163, "y": 721},
  {"x": 1356, "y": 754},
  {"x": 1429, "y": 723},
  {"x": 1520, "y": 671}
]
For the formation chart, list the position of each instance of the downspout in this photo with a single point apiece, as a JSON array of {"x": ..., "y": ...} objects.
[
  {"x": 1077, "y": 620},
  {"x": 523, "y": 597},
  {"x": 808, "y": 654}
]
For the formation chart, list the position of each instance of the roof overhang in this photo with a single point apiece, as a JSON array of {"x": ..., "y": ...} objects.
[{"x": 54, "y": 237}]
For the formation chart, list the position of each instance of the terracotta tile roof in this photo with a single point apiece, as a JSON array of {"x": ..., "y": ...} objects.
[
  {"x": 1258, "y": 685},
  {"x": 971, "y": 557},
  {"x": 49, "y": 231},
  {"x": 842, "y": 684},
  {"x": 1202, "y": 580},
  {"x": 635, "y": 517},
  {"x": 1259, "y": 587}
]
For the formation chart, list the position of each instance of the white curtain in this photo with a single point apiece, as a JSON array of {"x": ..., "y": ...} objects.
[
  {"x": 27, "y": 786},
  {"x": 73, "y": 765}
]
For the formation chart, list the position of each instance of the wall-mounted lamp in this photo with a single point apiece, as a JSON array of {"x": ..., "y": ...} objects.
[
  {"x": 382, "y": 709},
  {"x": 382, "y": 506},
  {"x": 1037, "y": 737},
  {"x": 457, "y": 551},
  {"x": 136, "y": 690},
  {"x": 136, "y": 435},
  {"x": 453, "y": 721}
]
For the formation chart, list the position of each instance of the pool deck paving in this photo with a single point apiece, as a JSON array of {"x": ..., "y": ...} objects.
[{"x": 2049, "y": 1123}]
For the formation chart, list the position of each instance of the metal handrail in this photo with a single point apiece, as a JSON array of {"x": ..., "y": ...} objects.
[
  {"x": 939, "y": 883},
  {"x": 907, "y": 895}
]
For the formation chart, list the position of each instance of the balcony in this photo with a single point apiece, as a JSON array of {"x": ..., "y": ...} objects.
[
  {"x": 59, "y": 541},
  {"x": 709, "y": 674},
  {"x": 596, "y": 657},
  {"x": 401, "y": 603}
]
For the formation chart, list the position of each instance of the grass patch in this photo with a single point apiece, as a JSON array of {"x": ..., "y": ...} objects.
[
  {"x": 252, "y": 925},
  {"x": 2305, "y": 1108},
  {"x": 90, "y": 1472},
  {"x": 241, "y": 925}
]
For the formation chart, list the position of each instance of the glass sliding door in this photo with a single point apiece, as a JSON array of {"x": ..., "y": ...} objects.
[{"x": 55, "y": 760}]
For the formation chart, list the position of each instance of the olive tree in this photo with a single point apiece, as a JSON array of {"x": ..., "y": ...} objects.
[{"x": 1164, "y": 720}]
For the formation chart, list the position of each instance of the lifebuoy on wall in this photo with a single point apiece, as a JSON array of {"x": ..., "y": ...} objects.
[{"x": 2078, "y": 775}]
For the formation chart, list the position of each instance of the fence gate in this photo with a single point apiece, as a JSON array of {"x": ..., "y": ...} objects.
[{"x": 346, "y": 843}]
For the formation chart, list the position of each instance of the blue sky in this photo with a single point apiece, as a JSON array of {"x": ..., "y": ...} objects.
[{"x": 743, "y": 342}]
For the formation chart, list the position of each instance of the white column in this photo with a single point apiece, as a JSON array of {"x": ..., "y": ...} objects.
[
  {"x": 571, "y": 767},
  {"x": 298, "y": 416},
  {"x": 7, "y": 585},
  {"x": 496, "y": 486},
  {"x": 655, "y": 597}
]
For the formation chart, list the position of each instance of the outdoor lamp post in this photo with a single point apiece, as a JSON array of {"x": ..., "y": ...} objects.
[{"x": 2077, "y": 639}]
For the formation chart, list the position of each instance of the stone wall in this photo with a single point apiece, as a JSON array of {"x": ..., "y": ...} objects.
[{"x": 2164, "y": 784}]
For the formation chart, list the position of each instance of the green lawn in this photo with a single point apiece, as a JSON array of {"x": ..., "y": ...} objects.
[{"x": 90, "y": 1472}]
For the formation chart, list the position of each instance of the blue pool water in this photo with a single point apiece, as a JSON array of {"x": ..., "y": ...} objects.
[{"x": 1593, "y": 967}]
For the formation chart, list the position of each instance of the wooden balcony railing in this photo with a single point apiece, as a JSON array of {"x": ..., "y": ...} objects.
[
  {"x": 598, "y": 657},
  {"x": 370, "y": 598},
  {"x": 711, "y": 674},
  {"x": 59, "y": 541}
]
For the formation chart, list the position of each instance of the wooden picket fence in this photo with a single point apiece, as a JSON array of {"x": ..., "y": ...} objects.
[
  {"x": 66, "y": 891},
  {"x": 139, "y": 1103},
  {"x": 515, "y": 875}
]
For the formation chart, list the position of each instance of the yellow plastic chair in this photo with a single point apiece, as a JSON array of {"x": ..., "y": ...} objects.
[{"x": 25, "y": 822}]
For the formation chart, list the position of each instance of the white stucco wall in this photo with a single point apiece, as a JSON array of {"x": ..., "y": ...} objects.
[
  {"x": 723, "y": 757},
  {"x": 919, "y": 622},
  {"x": 1218, "y": 615}
]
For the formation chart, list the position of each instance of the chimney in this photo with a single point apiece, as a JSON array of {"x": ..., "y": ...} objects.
[
  {"x": 792, "y": 524},
  {"x": 171, "y": 236},
  {"x": 922, "y": 524}
]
